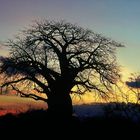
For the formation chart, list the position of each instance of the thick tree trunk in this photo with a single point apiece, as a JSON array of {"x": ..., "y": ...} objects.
[{"x": 60, "y": 106}]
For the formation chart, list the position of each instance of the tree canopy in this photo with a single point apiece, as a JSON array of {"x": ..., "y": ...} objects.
[{"x": 59, "y": 58}]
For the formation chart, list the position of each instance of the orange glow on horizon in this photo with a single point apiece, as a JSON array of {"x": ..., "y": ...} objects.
[{"x": 15, "y": 105}]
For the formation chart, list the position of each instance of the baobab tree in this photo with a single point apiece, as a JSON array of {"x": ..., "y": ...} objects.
[{"x": 57, "y": 59}]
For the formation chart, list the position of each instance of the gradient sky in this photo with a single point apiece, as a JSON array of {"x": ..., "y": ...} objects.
[{"x": 118, "y": 19}]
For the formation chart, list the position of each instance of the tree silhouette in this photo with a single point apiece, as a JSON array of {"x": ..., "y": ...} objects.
[{"x": 57, "y": 59}]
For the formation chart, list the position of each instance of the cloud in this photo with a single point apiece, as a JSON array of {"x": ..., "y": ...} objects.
[
  {"x": 134, "y": 84},
  {"x": 1, "y": 47}
]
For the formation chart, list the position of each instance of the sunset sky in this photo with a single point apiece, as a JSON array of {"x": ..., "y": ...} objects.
[{"x": 118, "y": 19}]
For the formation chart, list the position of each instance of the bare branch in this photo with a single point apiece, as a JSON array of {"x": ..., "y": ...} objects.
[
  {"x": 33, "y": 96},
  {"x": 12, "y": 82}
]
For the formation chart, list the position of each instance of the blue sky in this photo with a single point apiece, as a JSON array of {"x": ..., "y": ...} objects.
[{"x": 118, "y": 19}]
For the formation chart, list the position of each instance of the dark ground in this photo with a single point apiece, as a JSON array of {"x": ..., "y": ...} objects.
[{"x": 37, "y": 124}]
